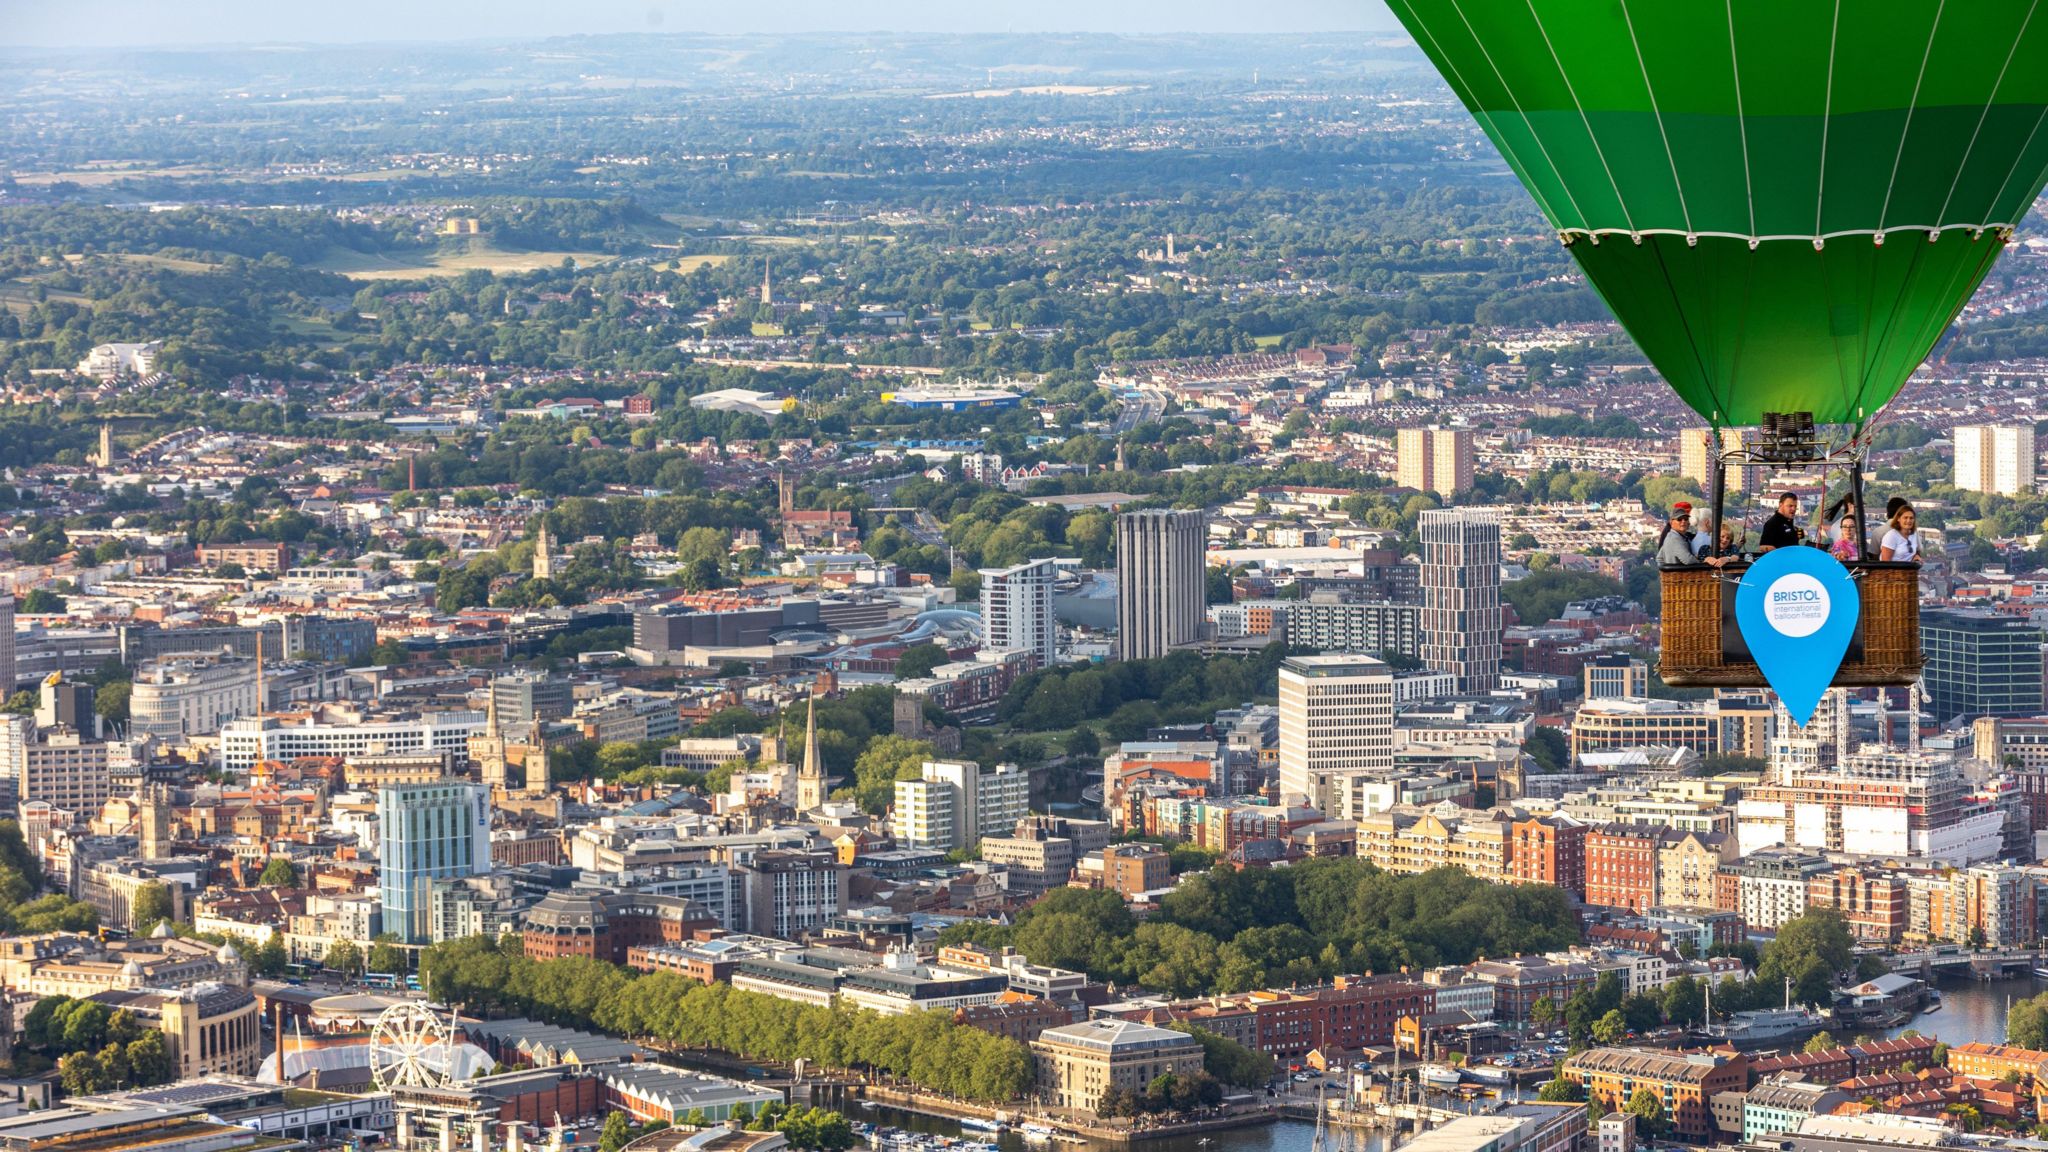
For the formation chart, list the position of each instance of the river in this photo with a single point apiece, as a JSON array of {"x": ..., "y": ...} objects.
[{"x": 1971, "y": 1010}]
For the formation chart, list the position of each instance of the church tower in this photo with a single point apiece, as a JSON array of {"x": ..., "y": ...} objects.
[
  {"x": 810, "y": 781},
  {"x": 488, "y": 748},
  {"x": 543, "y": 553},
  {"x": 155, "y": 821}
]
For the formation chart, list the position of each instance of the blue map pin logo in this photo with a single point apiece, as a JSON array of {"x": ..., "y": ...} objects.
[{"x": 1797, "y": 609}]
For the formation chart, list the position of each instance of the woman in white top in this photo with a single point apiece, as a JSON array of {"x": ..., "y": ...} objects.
[{"x": 1902, "y": 542}]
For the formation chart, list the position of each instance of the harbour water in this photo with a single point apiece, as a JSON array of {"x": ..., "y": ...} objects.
[{"x": 1973, "y": 1010}]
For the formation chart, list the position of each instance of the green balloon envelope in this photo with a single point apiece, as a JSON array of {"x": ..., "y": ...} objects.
[{"x": 1785, "y": 202}]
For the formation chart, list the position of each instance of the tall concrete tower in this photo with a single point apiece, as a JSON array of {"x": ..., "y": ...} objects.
[
  {"x": 767, "y": 281},
  {"x": 1161, "y": 581},
  {"x": 106, "y": 445}
]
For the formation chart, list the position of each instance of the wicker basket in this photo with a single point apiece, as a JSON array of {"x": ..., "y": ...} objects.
[{"x": 1692, "y": 655}]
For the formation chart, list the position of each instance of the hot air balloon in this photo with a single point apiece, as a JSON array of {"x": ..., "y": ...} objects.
[{"x": 1784, "y": 202}]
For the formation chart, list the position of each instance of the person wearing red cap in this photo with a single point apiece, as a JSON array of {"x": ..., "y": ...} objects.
[{"x": 1675, "y": 546}]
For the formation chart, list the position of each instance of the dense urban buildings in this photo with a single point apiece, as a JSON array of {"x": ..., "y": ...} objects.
[{"x": 1081, "y": 618}]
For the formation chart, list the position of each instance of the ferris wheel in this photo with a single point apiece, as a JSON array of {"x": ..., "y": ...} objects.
[{"x": 410, "y": 1047}]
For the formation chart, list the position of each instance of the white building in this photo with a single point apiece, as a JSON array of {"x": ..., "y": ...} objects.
[
  {"x": 1995, "y": 458},
  {"x": 1336, "y": 726},
  {"x": 113, "y": 361},
  {"x": 334, "y": 730},
  {"x": 923, "y": 815},
  {"x": 1016, "y": 610},
  {"x": 957, "y": 802},
  {"x": 192, "y": 696}
]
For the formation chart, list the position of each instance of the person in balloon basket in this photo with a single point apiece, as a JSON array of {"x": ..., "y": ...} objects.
[
  {"x": 1902, "y": 539},
  {"x": 1835, "y": 529},
  {"x": 1675, "y": 546},
  {"x": 1782, "y": 529}
]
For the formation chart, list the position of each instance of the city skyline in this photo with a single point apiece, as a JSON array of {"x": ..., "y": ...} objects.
[{"x": 132, "y": 23}]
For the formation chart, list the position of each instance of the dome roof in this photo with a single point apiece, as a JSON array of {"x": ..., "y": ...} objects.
[
  {"x": 228, "y": 955},
  {"x": 162, "y": 931},
  {"x": 131, "y": 968}
]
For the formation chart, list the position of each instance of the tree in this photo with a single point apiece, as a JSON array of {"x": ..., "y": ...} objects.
[
  {"x": 278, "y": 873},
  {"x": 269, "y": 958},
  {"x": 344, "y": 957},
  {"x": 110, "y": 700},
  {"x": 385, "y": 954},
  {"x": 1809, "y": 951},
  {"x": 389, "y": 653},
  {"x": 1822, "y": 1042},
  {"x": 1227, "y": 1060},
  {"x": 918, "y": 660},
  {"x": 150, "y": 907},
  {"x": 1562, "y": 1091},
  {"x": 1684, "y": 1001},
  {"x": 2026, "y": 1023},
  {"x": 41, "y": 601},
  {"x": 1543, "y": 1013},
  {"x": 54, "y": 913},
  {"x": 616, "y": 1133},
  {"x": 886, "y": 760},
  {"x": 149, "y": 1060},
  {"x": 1609, "y": 1028},
  {"x": 1648, "y": 1109},
  {"x": 1548, "y": 748}
]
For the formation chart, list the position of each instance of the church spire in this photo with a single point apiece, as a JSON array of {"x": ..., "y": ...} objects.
[
  {"x": 810, "y": 780},
  {"x": 812, "y": 766}
]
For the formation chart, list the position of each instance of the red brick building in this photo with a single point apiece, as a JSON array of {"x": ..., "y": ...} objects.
[
  {"x": 609, "y": 927},
  {"x": 1350, "y": 1013},
  {"x": 1548, "y": 850},
  {"x": 1621, "y": 866},
  {"x": 1015, "y": 1015},
  {"x": 1873, "y": 902}
]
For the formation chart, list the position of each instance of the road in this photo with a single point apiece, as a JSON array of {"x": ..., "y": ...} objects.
[{"x": 1146, "y": 408}]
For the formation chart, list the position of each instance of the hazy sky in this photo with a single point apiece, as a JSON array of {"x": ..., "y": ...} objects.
[{"x": 131, "y": 23}]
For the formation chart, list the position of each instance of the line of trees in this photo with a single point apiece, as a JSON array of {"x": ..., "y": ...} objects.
[{"x": 926, "y": 1048}]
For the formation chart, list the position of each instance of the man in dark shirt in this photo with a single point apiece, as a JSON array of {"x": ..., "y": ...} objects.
[{"x": 1782, "y": 529}]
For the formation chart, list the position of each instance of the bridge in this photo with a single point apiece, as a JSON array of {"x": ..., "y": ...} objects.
[{"x": 1995, "y": 963}]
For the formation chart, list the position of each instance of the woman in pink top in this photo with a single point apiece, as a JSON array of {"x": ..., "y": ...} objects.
[{"x": 1848, "y": 536}]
